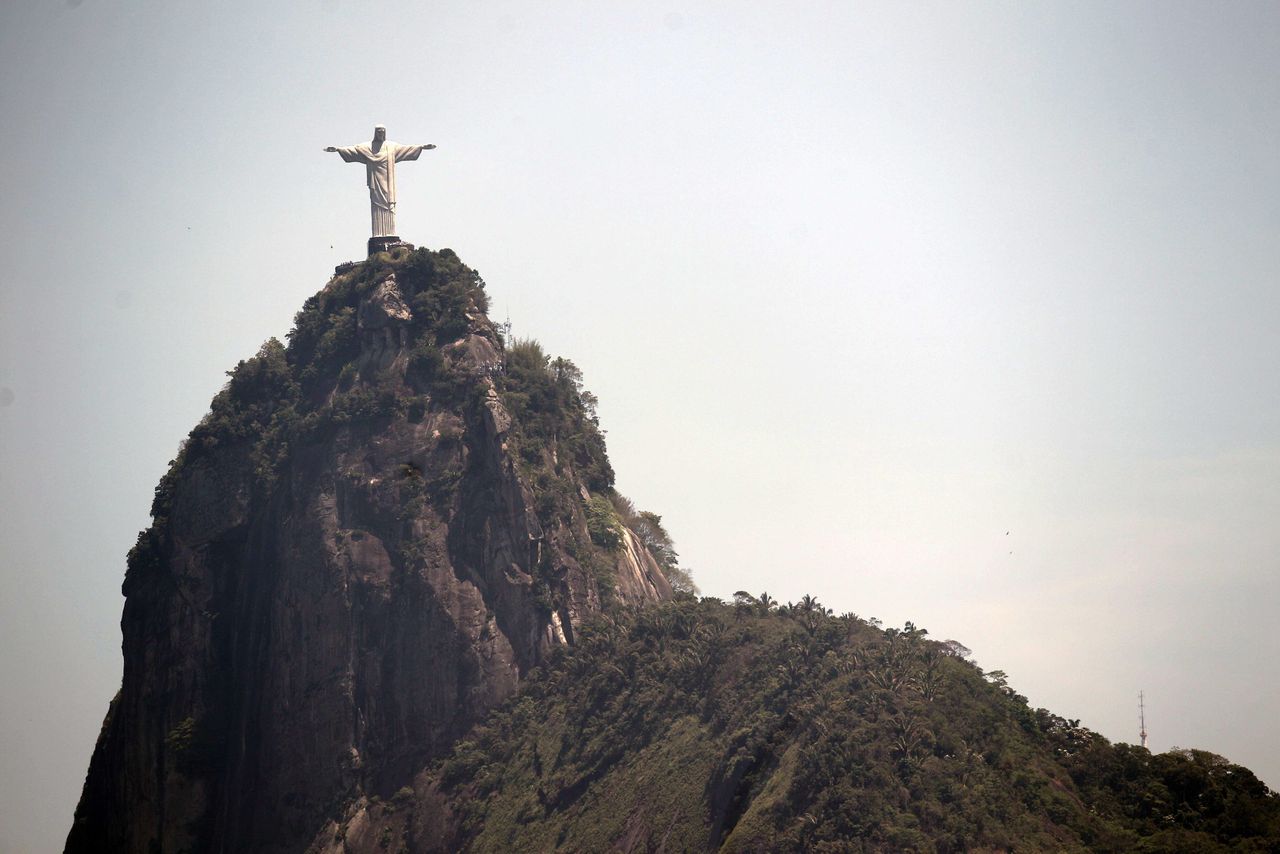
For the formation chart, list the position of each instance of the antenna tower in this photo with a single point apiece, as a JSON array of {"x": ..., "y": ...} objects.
[{"x": 1142, "y": 719}]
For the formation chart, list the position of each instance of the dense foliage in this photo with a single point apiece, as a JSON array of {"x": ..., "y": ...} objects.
[
  {"x": 754, "y": 727},
  {"x": 552, "y": 411},
  {"x": 558, "y": 443}
]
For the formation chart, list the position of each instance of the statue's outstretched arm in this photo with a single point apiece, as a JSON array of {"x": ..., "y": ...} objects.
[
  {"x": 350, "y": 155},
  {"x": 411, "y": 152}
]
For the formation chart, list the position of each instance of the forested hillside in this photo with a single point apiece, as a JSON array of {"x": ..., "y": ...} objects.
[{"x": 701, "y": 725}]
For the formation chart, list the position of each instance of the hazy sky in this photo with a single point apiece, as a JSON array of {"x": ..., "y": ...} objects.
[{"x": 959, "y": 314}]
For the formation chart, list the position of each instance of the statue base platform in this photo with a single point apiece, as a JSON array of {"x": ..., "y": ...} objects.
[{"x": 386, "y": 243}]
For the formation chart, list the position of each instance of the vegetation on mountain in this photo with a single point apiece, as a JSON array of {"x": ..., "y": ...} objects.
[{"x": 751, "y": 726}]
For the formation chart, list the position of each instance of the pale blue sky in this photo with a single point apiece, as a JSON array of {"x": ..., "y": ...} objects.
[{"x": 861, "y": 287}]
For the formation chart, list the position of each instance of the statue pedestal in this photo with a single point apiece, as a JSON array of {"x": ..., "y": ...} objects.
[{"x": 386, "y": 243}]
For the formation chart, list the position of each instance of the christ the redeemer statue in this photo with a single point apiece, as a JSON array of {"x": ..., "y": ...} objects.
[{"x": 379, "y": 158}]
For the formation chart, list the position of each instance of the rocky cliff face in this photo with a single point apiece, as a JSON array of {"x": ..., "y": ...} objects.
[{"x": 375, "y": 533}]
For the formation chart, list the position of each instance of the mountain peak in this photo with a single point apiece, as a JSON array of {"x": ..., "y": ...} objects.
[{"x": 375, "y": 532}]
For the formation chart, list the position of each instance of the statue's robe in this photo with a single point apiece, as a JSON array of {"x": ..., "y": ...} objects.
[{"x": 380, "y": 172}]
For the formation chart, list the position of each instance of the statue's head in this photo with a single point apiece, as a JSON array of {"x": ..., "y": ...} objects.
[{"x": 379, "y": 133}]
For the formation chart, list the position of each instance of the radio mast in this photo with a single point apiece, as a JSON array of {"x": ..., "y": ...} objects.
[{"x": 1142, "y": 719}]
